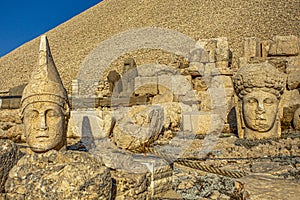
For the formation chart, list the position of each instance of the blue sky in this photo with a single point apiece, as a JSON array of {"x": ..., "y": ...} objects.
[{"x": 21, "y": 21}]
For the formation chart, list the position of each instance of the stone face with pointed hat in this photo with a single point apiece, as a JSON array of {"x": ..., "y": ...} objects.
[{"x": 45, "y": 105}]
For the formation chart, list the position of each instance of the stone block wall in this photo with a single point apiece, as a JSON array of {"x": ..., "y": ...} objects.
[
  {"x": 11, "y": 126},
  {"x": 202, "y": 84},
  {"x": 282, "y": 52}
]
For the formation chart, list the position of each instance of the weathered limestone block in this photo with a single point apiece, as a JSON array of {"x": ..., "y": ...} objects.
[
  {"x": 172, "y": 115},
  {"x": 195, "y": 69},
  {"x": 75, "y": 87},
  {"x": 199, "y": 55},
  {"x": 143, "y": 124},
  {"x": 216, "y": 48},
  {"x": 205, "y": 100},
  {"x": 10, "y": 102},
  {"x": 8, "y": 196},
  {"x": 9, "y": 156},
  {"x": 290, "y": 102},
  {"x": 146, "y": 85},
  {"x": 259, "y": 88},
  {"x": 265, "y": 46},
  {"x": 209, "y": 45},
  {"x": 96, "y": 122},
  {"x": 199, "y": 84},
  {"x": 210, "y": 69},
  {"x": 242, "y": 61},
  {"x": 160, "y": 173},
  {"x": 88, "y": 88},
  {"x": 11, "y": 125},
  {"x": 130, "y": 135},
  {"x": 201, "y": 122},
  {"x": 13, "y": 99},
  {"x": 296, "y": 119},
  {"x": 116, "y": 158},
  {"x": 163, "y": 98},
  {"x": 10, "y": 116},
  {"x": 269, "y": 187},
  {"x": 164, "y": 83},
  {"x": 222, "y": 50},
  {"x": 252, "y": 47},
  {"x": 60, "y": 175},
  {"x": 193, "y": 184},
  {"x": 178, "y": 84},
  {"x": 153, "y": 70},
  {"x": 293, "y": 80},
  {"x": 136, "y": 175},
  {"x": 131, "y": 185},
  {"x": 221, "y": 82},
  {"x": 223, "y": 68},
  {"x": 284, "y": 46},
  {"x": 15, "y": 133},
  {"x": 190, "y": 98}
]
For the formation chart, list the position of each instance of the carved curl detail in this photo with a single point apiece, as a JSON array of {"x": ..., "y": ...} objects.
[{"x": 261, "y": 76}]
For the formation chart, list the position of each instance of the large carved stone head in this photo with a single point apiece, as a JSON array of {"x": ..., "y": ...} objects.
[
  {"x": 259, "y": 88},
  {"x": 44, "y": 108}
]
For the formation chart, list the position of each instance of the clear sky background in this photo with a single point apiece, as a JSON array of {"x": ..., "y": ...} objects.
[{"x": 22, "y": 21}]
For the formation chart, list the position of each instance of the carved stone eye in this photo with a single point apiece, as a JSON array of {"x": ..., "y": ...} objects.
[
  {"x": 32, "y": 114},
  {"x": 251, "y": 100},
  {"x": 52, "y": 113},
  {"x": 268, "y": 101}
]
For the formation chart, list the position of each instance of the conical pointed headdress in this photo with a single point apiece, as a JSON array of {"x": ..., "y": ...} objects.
[{"x": 45, "y": 84}]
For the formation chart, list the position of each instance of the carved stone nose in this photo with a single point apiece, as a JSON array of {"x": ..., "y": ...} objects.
[
  {"x": 260, "y": 109},
  {"x": 43, "y": 123}
]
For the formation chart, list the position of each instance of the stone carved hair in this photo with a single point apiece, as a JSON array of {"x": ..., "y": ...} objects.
[{"x": 262, "y": 76}]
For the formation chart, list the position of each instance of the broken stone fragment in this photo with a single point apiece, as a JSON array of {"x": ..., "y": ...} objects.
[
  {"x": 9, "y": 156},
  {"x": 130, "y": 135},
  {"x": 252, "y": 47},
  {"x": 60, "y": 175},
  {"x": 284, "y": 46}
]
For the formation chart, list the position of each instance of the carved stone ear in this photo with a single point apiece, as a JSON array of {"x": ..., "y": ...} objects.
[{"x": 67, "y": 110}]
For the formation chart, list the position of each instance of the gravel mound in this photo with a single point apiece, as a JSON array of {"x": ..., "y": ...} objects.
[{"x": 72, "y": 41}]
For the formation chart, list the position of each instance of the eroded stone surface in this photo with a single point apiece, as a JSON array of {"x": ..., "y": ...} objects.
[
  {"x": 192, "y": 184},
  {"x": 9, "y": 155},
  {"x": 269, "y": 187},
  {"x": 11, "y": 126},
  {"x": 45, "y": 105},
  {"x": 259, "y": 88},
  {"x": 60, "y": 175},
  {"x": 284, "y": 46},
  {"x": 143, "y": 130}
]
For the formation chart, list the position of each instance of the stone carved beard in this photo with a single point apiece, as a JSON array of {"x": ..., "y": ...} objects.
[
  {"x": 259, "y": 109},
  {"x": 45, "y": 126}
]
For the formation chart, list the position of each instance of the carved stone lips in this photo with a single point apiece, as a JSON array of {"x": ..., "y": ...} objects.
[{"x": 42, "y": 135}]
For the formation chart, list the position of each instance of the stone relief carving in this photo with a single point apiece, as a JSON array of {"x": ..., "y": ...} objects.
[
  {"x": 44, "y": 105},
  {"x": 45, "y": 113},
  {"x": 128, "y": 75},
  {"x": 259, "y": 88}
]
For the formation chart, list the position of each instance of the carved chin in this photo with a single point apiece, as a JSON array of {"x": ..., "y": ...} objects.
[
  {"x": 43, "y": 144},
  {"x": 43, "y": 148},
  {"x": 261, "y": 126}
]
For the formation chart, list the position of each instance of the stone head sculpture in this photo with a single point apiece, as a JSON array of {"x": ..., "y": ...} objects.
[
  {"x": 259, "y": 88},
  {"x": 44, "y": 105}
]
